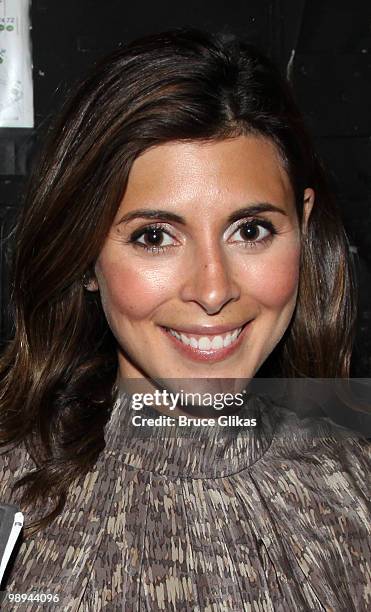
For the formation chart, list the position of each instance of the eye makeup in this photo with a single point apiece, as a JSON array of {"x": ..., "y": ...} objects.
[{"x": 158, "y": 234}]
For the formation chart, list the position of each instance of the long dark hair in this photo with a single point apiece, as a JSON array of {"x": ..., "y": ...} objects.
[{"x": 58, "y": 371}]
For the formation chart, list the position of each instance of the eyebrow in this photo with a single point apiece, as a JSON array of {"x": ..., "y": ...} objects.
[{"x": 246, "y": 211}]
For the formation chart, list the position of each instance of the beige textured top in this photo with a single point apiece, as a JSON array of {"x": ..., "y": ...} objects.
[{"x": 272, "y": 518}]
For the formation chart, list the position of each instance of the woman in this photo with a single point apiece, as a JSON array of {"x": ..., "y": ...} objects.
[{"x": 178, "y": 227}]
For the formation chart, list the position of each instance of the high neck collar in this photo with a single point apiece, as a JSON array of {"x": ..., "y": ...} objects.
[{"x": 210, "y": 450}]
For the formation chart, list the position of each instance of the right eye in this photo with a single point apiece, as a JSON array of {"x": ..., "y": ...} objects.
[{"x": 152, "y": 238}]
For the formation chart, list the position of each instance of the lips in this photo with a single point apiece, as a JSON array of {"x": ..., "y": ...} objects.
[{"x": 210, "y": 343}]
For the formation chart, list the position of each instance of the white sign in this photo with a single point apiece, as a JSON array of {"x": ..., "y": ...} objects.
[{"x": 16, "y": 91}]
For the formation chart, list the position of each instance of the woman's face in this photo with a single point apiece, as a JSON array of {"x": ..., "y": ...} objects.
[{"x": 199, "y": 273}]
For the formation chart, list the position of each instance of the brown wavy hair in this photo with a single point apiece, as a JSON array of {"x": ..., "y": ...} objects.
[{"x": 59, "y": 369}]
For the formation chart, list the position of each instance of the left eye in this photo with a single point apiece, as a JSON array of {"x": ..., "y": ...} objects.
[
  {"x": 154, "y": 237},
  {"x": 252, "y": 232}
]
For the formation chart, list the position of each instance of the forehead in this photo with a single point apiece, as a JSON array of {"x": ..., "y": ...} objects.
[{"x": 209, "y": 176}]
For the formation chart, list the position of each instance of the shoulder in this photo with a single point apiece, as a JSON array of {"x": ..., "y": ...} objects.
[
  {"x": 321, "y": 471},
  {"x": 320, "y": 438}
]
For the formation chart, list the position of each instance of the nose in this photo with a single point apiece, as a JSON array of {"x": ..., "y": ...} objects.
[{"x": 209, "y": 281}]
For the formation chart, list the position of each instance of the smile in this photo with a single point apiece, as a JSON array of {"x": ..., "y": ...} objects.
[
  {"x": 207, "y": 346},
  {"x": 207, "y": 343}
]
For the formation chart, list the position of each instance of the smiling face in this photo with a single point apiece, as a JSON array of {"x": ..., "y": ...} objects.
[{"x": 198, "y": 276}]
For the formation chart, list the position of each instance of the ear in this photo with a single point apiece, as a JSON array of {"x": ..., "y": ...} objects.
[
  {"x": 309, "y": 197},
  {"x": 90, "y": 282}
]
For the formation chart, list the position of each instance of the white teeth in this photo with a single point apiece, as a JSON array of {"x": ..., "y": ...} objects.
[
  {"x": 234, "y": 335},
  {"x": 204, "y": 343},
  {"x": 217, "y": 342}
]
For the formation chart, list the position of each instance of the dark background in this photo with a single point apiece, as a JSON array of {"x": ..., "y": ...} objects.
[{"x": 328, "y": 41}]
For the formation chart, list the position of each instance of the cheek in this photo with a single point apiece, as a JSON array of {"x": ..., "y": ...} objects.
[
  {"x": 273, "y": 281},
  {"x": 130, "y": 291}
]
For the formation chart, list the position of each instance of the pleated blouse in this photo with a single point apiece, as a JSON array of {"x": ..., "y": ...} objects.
[{"x": 224, "y": 518}]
